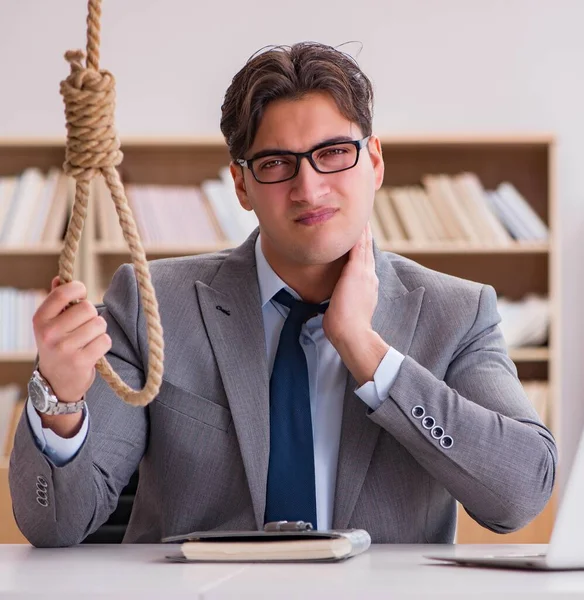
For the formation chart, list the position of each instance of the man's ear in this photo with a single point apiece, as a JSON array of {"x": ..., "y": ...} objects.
[
  {"x": 240, "y": 189},
  {"x": 374, "y": 146}
]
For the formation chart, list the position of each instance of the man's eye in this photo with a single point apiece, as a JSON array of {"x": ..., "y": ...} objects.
[
  {"x": 333, "y": 152},
  {"x": 273, "y": 163},
  {"x": 270, "y": 164}
]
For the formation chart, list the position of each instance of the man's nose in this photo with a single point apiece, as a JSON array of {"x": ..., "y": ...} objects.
[{"x": 308, "y": 185}]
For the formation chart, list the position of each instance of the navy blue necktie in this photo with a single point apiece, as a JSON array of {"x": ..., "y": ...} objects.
[{"x": 291, "y": 489}]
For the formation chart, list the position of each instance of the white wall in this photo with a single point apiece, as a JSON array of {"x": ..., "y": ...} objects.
[{"x": 442, "y": 66}]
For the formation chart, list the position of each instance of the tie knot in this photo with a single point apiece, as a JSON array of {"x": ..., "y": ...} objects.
[{"x": 299, "y": 310}]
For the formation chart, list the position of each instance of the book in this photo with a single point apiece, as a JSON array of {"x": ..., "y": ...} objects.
[
  {"x": 41, "y": 207},
  {"x": 426, "y": 214},
  {"x": 21, "y": 211},
  {"x": 407, "y": 214},
  {"x": 107, "y": 218},
  {"x": 524, "y": 322},
  {"x": 55, "y": 222},
  {"x": 270, "y": 546},
  {"x": 538, "y": 393},
  {"x": 536, "y": 228},
  {"x": 17, "y": 410},
  {"x": 470, "y": 188},
  {"x": 445, "y": 206},
  {"x": 387, "y": 216},
  {"x": 376, "y": 229},
  {"x": 9, "y": 397}
]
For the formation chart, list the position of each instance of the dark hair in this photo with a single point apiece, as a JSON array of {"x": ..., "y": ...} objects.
[{"x": 290, "y": 72}]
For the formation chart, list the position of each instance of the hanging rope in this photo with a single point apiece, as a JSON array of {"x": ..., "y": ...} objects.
[{"x": 93, "y": 149}]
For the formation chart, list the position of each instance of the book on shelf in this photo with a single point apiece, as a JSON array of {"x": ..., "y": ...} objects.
[
  {"x": 490, "y": 230},
  {"x": 455, "y": 209},
  {"x": 270, "y": 546},
  {"x": 525, "y": 322},
  {"x": 178, "y": 215},
  {"x": 538, "y": 393},
  {"x": 389, "y": 225},
  {"x": 34, "y": 207},
  {"x": 10, "y": 407},
  {"x": 17, "y": 308}
]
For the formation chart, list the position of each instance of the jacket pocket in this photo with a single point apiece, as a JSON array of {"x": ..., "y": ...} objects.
[{"x": 195, "y": 407}]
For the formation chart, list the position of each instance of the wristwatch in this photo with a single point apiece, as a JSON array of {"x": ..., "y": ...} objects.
[{"x": 44, "y": 400}]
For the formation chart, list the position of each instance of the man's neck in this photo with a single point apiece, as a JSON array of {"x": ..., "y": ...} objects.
[{"x": 314, "y": 283}]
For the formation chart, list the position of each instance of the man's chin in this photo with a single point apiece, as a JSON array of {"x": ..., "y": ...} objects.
[{"x": 321, "y": 253}]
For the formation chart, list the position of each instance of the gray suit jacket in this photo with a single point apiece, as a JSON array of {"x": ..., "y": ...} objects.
[{"x": 203, "y": 444}]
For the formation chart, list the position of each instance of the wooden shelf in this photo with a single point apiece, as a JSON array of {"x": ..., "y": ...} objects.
[
  {"x": 465, "y": 249},
  {"x": 530, "y": 354},
  {"x": 18, "y": 357},
  {"x": 106, "y": 249},
  {"x": 29, "y": 267},
  {"x": 514, "y": 270},
  {"x": 7, "y": 252},
  {"x": 527, "y": 354}
]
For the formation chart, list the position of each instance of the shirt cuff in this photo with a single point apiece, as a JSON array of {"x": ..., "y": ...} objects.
[
  {"x": 59, "y": 450},
  {"x": 375, "y": 392}
]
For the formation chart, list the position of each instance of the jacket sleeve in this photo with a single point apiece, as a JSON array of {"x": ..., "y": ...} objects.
[
  {"x": 60, "y": 505},
  {"x": 495, "y": 456}
]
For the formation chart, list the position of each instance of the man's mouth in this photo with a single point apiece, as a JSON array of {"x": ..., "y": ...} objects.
[{"x": 313, "y": 217}]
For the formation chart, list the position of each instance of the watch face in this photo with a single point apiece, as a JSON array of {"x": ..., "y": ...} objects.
[{"x": 37, "y": 396}]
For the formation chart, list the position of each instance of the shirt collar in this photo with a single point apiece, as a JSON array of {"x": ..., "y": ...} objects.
[{"x": 270, "y": 283}]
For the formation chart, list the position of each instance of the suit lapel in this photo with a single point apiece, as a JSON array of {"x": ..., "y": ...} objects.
[
  {"x": 238, "y": 343},
  {"x": 395, "y": 319},
  {"x": 231, "y": 310}
]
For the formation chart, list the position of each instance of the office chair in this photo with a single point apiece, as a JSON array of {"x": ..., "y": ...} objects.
[{"x": 112, "y": 531}]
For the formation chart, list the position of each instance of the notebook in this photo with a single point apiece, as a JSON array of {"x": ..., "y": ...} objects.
[{"x": 270, "y": 546}]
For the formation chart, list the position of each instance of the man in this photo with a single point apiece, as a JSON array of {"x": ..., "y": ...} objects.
[{"x": 308, "y": 376}]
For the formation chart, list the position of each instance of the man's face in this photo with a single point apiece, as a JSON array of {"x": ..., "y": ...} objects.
[{"x": 314, "y": 218}]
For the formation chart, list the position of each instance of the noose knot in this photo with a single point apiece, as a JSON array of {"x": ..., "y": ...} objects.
[{"x": 92, "y": 141}]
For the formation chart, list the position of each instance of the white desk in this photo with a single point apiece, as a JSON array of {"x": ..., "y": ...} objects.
[{"x": 389, "y": 572}]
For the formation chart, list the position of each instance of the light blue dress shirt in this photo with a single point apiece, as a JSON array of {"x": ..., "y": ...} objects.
[{"x": 327, "y": 376}]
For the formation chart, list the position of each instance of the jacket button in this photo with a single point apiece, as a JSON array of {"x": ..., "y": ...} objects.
[
  {"x": 418, "y": 412},
  {"x": 446, "y": 442},
  {"x": 437, "y": 432},
  {"x": 428, "y": 422}
]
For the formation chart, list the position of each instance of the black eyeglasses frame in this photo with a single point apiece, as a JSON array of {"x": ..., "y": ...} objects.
[{"x": 359, "y": 145}]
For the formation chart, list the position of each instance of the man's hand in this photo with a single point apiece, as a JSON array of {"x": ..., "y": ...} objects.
[{"x": 347, "y": 322}]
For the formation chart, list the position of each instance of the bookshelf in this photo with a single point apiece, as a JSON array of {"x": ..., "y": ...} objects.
[{"x": 514, "y": 270}]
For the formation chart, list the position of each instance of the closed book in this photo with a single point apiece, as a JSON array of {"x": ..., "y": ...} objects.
[
  {"x": 408, "y": 216},
  {"x": 270, "y": 546},
  {"x": 21, "y": 211},
  {"x": 42, "y": 206},
  {"x": 376, "y": 230},
  {"x": 9, "y": 396},
  {"x": 17, "y": 409},
  {"x": 427, "y": 214},
  {"x": 56, "y": 218},
  {"x": 387, "y": 216},
  {"x": 537, "y": 229},
  {"x": 469, "y": 187}
]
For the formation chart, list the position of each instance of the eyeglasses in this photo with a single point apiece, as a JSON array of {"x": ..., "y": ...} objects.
[{"x": 276, "y": 166}]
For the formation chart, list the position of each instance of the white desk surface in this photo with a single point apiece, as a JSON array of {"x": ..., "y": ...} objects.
[{"x": 384, "y": 571}]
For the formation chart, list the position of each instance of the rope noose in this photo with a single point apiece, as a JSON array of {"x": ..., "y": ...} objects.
[{"x": 93, "y": 149}]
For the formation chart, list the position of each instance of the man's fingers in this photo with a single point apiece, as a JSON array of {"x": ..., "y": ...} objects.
[
  {"x": 362, "y": 251},
  {"x": 59, "y": 299}
]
